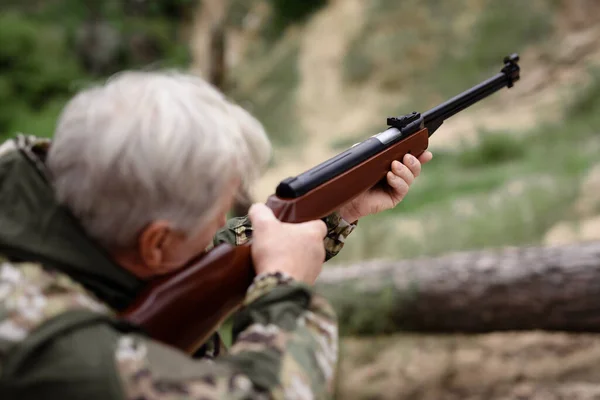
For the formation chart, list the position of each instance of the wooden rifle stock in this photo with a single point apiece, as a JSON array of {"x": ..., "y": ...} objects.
[{"x": 184, "y": 308}]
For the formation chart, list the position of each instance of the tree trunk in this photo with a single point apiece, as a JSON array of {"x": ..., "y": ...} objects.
[
  {"x": 217, "y": 72},
  {"x": 547, "y": 288},
  {"x": 218, "y": 77}
]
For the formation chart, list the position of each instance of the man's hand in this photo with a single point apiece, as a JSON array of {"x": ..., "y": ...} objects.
[
  {"x": 381, "y": 198},
  {"x": 295, "y": 249}
]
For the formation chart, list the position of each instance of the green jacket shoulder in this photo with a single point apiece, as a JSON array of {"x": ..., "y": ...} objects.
[{"x": 60, "y": 342}]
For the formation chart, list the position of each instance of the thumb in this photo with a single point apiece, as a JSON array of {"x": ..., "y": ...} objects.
[{"x": 260, "y": 214}]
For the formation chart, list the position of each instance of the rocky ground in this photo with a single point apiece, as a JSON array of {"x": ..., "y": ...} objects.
[{"x": 498, "y": 366}]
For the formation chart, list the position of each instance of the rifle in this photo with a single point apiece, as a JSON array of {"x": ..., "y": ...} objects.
[{"x": 184, "y": 308}]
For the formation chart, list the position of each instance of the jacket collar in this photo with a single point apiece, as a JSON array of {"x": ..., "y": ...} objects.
[{"x": 34, "y": 227}]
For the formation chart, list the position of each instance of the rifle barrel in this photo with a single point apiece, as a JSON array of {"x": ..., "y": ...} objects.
[
  {"x": 510, "y": 73},
  {"x": 465, "y": 99}
]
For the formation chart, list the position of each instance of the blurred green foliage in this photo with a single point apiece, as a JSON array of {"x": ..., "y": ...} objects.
[
  {"x": 50, "y": 49},
  {"x": 284, "y": 13},
  {"x": 36, "y": 70}
]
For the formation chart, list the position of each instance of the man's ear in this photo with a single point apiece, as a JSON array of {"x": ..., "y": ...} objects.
[{"x": 154, "y": 243}]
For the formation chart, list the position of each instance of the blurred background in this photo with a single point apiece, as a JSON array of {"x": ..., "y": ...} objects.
[{"x": 519, "y": 169}]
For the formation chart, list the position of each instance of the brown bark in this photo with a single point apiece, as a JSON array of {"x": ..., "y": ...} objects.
[
  {"x": 547, "y": 288},
  {"x": 217, "y": 70}
]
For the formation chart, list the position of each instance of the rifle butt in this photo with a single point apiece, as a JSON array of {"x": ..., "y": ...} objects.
[{"x": 183, "y": 309}]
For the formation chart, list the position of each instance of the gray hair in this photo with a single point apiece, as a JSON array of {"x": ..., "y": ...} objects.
[{"x": 148, "y": 146}]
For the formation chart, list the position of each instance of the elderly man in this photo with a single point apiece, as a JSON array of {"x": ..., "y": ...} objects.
[{"x": 136, "y": 182}]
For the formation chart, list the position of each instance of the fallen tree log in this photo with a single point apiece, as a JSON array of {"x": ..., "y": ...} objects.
[{"x": 546, "y": 288}]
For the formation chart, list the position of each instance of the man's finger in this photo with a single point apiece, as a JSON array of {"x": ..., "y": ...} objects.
[
  {"x": 413, "y": 165},
  {"x": 398, "y": 185},
  {"x": 402, "y": 171},
  {"x": 425, "y": 157}
]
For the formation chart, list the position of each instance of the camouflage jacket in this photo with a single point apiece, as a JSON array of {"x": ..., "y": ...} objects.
[{"x": 60, "y": 294}]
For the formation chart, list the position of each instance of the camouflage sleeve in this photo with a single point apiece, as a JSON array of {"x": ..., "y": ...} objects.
[
  {"x": 238, "y": 231},
  {"x": 338, "y": 229},
  {"x": 285, "y": 347}
]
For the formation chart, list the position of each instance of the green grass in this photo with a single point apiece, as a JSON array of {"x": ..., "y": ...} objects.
[{"x": 561, "y": 150}]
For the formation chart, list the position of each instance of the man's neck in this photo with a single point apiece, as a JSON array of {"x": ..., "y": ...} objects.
[{"x": 130, "y": 261}]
